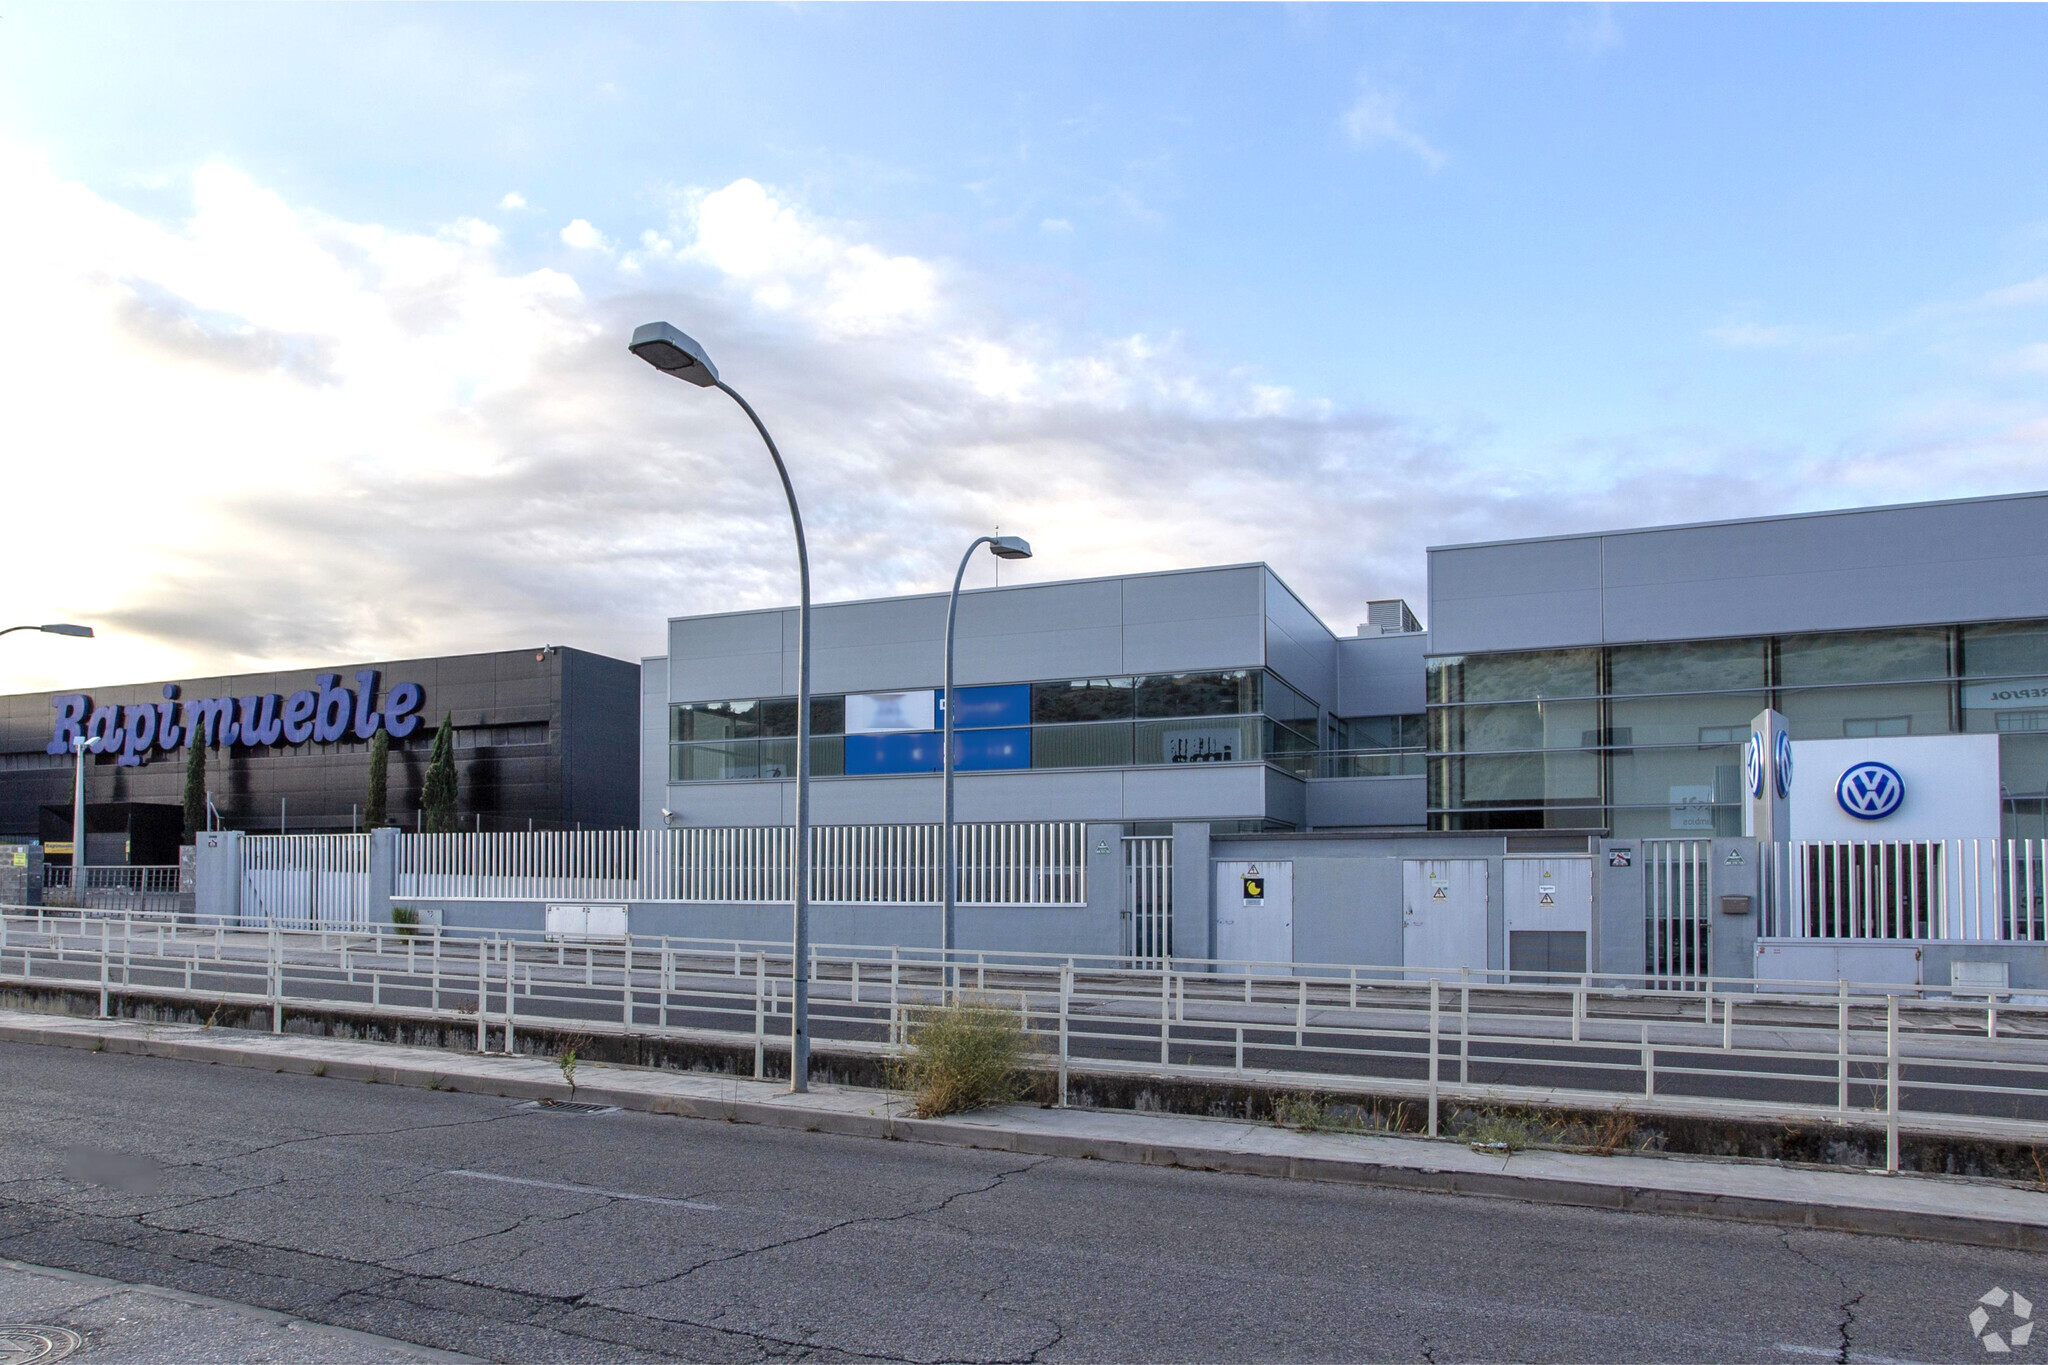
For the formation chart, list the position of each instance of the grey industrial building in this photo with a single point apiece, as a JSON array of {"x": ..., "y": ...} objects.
[{"x": 1588, "y": 684}]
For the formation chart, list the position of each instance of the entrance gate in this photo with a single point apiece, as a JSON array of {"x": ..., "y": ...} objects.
[
  {"x": 1148, "y": 899},
  {"x": 319, "y": 880},
  {"x": 1675, "y": 900}
]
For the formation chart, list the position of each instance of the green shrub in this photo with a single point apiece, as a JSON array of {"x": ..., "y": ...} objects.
[
  {"x": 406, "y": 918},
  {"x": 963, "y": 1056}
]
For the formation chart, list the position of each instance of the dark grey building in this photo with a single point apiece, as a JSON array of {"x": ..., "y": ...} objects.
[{"x": 544, "y": 738}]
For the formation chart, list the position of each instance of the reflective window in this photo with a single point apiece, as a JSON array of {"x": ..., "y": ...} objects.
[
  {"x": 1690, "y": 666},
  {"x": 1380, "y": 732},
  {"x": 1700, "y": 719},
  {"x": 1514, "y": 677},
  {"x": 1230, "y": 692},
  {"x": 1081, "y": 746},
  {"x": 1289, "y": 707},
  {"x": 1829, "y": 712},
  {"x": 1523, "y": 725},
  {"x": 1863, "y": 656},
  {"x": 1223, "y": 739},
  {"x": 2016, "y": 649},
  {"x": 1083, "y": 699}
]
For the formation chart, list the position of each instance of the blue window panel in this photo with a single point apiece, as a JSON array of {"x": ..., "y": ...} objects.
[
  {"x": 983, "y": 750},
  {"x": 984, "y": 707},
  {"x": 913, "y": 752}
]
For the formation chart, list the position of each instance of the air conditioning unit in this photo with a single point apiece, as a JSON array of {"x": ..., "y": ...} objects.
[{"x": 1389, "y": 616}]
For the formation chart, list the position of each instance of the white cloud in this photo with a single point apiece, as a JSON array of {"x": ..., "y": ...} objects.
[
  {"x": 304, "y": 439},
  {"x": 2021, "y": 295},
  {"x": 583, "y": 237},
  {"x": 513, "y": 200},
  {"x": 1376, "y": 118},
  {"x": 1055, "y": 226}
]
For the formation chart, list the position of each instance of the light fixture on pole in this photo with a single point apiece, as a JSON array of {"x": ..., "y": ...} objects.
[
  {"x": 674, "y": 353},
  {"x": 55, "y": 628},
  {"x": 1002, "y": 547}
]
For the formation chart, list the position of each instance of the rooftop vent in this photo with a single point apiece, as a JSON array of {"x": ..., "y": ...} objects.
[{"x": 1390, "y": 617}]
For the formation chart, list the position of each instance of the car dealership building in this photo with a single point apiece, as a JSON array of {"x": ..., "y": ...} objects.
[{"x": 1603, "y": 683}]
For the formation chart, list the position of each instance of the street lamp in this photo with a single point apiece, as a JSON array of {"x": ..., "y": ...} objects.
[
  {"x": 1002, "y": 547},
  {"x": 55, "y": 628},
  {"x": 673, "y": 353},
  {"x": 81, "y": 744}
]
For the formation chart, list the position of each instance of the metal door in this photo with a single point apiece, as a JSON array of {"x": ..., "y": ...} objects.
[
  {"x": 1443, "y": 915},
  {"x": 1148, "y": 899},
  {"x": 316, "y": 880},
  {"x": 1547, "y": 913},
  {"x": 1255, "y": 912}
]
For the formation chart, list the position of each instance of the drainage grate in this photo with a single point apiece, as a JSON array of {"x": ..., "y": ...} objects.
[
  {"x": 29, "y": 1344},
  {"x": 574, "y": 1107}
]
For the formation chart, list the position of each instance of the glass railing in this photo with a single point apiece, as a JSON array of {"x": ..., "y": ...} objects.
[{"x": 1350, "y": 763}]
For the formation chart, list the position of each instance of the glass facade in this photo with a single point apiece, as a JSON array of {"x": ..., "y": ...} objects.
[
  {"x": 1220, "y": 716},
  {"x": 1646, "y": 740}
]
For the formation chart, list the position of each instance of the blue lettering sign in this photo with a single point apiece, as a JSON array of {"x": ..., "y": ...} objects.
[{"x": 138, "y": 731}]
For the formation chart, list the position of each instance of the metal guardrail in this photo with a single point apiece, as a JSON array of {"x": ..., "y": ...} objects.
[
  {"x": 1816, "y": 1052},
  {"x": 150, "y": 889}
]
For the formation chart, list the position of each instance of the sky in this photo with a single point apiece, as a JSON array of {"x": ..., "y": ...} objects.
[{"x": 316, "y": 316}]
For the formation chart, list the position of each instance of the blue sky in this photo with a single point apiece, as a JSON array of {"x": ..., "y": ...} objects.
[{"x": 1154, "y": 284}]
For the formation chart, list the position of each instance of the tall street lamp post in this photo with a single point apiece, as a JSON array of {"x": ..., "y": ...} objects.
[
  {"x": 674, "y": 353},
  {"x": 1002, "y": 547},
  {"x": 81, "y": 744}
]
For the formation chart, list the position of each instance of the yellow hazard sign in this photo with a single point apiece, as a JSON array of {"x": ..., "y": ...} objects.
[{"x": 1254, "y": 888}]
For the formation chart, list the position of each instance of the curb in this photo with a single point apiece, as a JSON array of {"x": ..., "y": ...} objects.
[{"x": 1956, "y": 1229}]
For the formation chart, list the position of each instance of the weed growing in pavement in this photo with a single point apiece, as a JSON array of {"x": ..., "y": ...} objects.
[
  {"x": 571, "y": 1049},
  {"x": 319, "y": 1068},
  {"x": 960, "y": 1057},
  {"x": 1313, "y": 1113}
]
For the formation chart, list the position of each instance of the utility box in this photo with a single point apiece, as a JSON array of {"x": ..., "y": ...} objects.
[
  {"x": 1734, "y": 905},
  {"x": 584, "y": 923}
]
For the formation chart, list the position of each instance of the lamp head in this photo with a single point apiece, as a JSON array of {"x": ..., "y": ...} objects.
[
  {"x": 66, "y": 628},
  {"x": 1009, "y": 547},
  {"x": 673, "y": 352}
]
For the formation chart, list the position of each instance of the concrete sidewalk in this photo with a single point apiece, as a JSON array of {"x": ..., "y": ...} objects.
[{"x": 1946, "y": 1209}]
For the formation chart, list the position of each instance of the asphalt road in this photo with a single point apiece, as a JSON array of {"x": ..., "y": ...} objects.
[{"x": 486, "y": 1227}]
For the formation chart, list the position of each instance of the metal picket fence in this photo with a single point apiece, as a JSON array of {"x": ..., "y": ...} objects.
[
  {"x": 1915, "y": 890},
  {"x": 1888, "y": 1058}
]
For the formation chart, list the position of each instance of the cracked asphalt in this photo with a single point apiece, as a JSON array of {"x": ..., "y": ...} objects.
[{"x": 482, "y": 1226}]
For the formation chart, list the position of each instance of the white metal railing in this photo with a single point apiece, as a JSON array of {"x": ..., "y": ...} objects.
[
  {"x": 1906, "y": 890},
  {"x": 1885, "y": 1057},
  {"x": 1026, "y": 864},
  {"x": 144, "y": 879},
  {"x": 1678, "y": 939},
  {"x": 1148, "y": 899}
]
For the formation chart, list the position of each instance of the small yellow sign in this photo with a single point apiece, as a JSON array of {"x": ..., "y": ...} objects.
[{"x": 1254, "y": 888}]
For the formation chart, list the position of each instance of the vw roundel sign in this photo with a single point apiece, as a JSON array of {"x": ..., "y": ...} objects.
[
  {"x": 1783, "y": 764},
  {"x": 1753, "y": 763},
  {"x": 1870, "y": 790}
]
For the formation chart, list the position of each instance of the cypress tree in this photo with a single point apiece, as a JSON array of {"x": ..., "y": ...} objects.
[
  {"x": 439, "y": 796},
  {"x": 380, "y": 777},
  {"x": 195, "y": 791}
]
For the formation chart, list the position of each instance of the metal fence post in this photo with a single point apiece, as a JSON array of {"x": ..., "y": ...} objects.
[
  {"x": 1891, "y": 1085},
  {"x": 1649, "y": 1067},
  {"x": 1165, "y": 1014},
  {"x": 760, "y": 1017},
  {"x": 511, "y": 992},
  {"x": 1842, "y": 1050},
  {"x": 104, "y": 951},
  {"x": 276, "y": 978},
  {"x": 1464, "y": 1025},
  {"x": 483, "y": 992},
  {"x": 626, "y": 977},
  {"x": 1433, "y": 983},
  {"x": 1066, "y": 1000},
  {"x": 1727, "y": 1023}
]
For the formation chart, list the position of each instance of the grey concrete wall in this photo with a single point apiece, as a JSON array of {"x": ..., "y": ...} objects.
[
  {"x": 2026, "y": 963},
  {"x": 653, "y": 741},
  {"x": 1366, "y": 802},
  {"x": 1299, "y": 647},
  {"x": 1149, "y": 623},
  {"x": 1381, "y": 675},
  {"x": 1732, "y": 870},
  {"x": 383, "y": 872},
  {"x": 217, "y": 876},
  {"x": 1194, "y": 892},
  {"x": 1927, "y": 563},
  {"x": 1620, "y": 908}
]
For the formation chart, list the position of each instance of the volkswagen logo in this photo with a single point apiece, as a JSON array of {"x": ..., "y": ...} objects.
[
  {"x": 1753, "y": 763},
  {"x": 1784, "y": 764},
  {"x": 1870, "y": 790}
]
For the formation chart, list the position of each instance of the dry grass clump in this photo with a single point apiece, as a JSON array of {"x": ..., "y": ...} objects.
[{"x": 963, "y": 1056}]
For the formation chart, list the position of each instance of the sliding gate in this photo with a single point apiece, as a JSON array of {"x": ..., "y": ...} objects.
[{"x": 318, "y": 880}]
